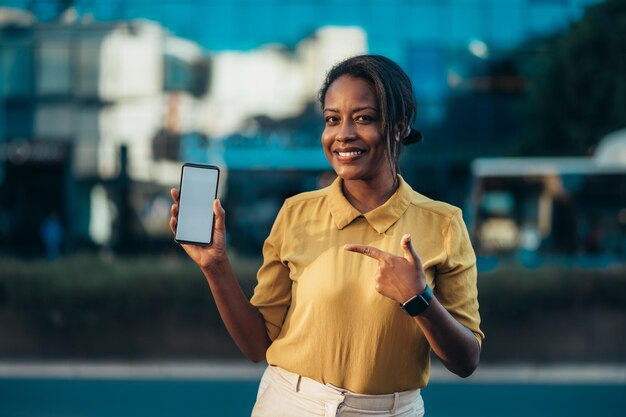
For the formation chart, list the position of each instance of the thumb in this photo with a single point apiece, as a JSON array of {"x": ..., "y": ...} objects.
[
  {"x": 409, "y": 252},
  {"x": 220, "y": 215}
]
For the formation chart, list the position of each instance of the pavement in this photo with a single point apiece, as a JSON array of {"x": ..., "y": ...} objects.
[{"x": 554, "y": 373}]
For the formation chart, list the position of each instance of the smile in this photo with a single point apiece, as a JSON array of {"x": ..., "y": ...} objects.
[{"x": 349, "y": 154}]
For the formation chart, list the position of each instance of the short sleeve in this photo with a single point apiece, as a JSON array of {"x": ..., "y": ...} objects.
[
  {"x": 272, "y": 295},
  {"x": 455, "y": 285}
]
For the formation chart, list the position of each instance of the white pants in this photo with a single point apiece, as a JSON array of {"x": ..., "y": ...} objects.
[{"x": 285, "y": 394}]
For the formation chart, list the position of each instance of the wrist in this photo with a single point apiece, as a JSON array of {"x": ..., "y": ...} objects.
[
  {"x": 215, "y": 267},
  {"x": 411, "y": 291}
]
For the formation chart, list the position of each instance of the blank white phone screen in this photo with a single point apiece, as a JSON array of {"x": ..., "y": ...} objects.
[{"x": 195, "y": 209}]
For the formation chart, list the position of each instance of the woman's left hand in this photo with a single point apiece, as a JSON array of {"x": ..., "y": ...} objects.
[
  {"x": 401, "y": 278},
  {"x": 398, "y": 278}
]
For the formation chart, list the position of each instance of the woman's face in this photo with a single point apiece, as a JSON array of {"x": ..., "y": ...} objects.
[{"x": 352, "y": 139}]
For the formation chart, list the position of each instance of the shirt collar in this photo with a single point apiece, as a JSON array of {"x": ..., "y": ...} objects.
[{"x": 381, "y": 218}]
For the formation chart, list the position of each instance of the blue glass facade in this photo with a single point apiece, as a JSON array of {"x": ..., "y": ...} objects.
[
  {"x": 429, "y": 38},
  {"x": 462, "y": 55},
  {"x": 246, "y": 24}
]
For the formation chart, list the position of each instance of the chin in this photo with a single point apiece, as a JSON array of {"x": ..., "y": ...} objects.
[{"x": 348, "y": 174}]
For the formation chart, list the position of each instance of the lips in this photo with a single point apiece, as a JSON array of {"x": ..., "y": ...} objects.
[{"x": 348, "y": 154}]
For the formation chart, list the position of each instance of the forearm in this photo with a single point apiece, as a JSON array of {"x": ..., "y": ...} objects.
[
  {"x": 454, "y": 344},
  {"x": 242, "y": 320}
]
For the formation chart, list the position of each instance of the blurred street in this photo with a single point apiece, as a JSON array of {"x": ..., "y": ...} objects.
[
  {"x": 205, "y": 388},
  {"x": 554, "y": 373}
]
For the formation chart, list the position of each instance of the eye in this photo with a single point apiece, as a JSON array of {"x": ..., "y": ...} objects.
[
  {"x": 331, "y": 120},
  {"x": 364, "y": 118}
]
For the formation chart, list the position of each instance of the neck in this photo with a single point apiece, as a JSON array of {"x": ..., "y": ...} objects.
[{"x": 365, "y": 195}]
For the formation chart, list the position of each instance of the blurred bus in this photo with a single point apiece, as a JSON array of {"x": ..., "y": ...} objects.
[{"x": 538, "y": 210}]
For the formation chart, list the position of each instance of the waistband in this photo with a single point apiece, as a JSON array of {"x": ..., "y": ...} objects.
[{"x": 310, "y": 387}]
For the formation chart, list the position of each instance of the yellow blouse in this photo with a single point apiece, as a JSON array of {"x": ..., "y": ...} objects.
[{"x": 325, "y": 318}]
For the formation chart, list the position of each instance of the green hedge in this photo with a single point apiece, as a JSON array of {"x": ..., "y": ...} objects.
[
  {"x": 90, "y": 305},
  {"x": 554, "y": 314},
  {"x": 93, "y": 306},
  {"x": 516, "y": 291}
]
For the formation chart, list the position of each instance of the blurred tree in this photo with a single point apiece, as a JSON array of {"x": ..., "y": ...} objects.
[{"x": 578, "y": 85}]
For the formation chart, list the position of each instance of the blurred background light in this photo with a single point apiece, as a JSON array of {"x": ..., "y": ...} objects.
[{"x": 478, "y": 48}]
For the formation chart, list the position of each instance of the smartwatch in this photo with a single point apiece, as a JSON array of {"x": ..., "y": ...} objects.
[{"x": 416, "y": 305}]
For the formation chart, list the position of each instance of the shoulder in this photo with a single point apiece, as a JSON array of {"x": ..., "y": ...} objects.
[
  {"x": 306, "y": 205},
  {"x": 428, "y": 206},
  {"x": 420, "y": 204},
  {"x": 306, "y": 198}
]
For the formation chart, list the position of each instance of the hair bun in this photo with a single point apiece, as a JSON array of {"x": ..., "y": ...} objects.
[{"x": 414, "y": 136}]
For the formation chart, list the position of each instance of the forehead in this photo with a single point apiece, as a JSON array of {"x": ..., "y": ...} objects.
[{"x": 347, "y": 89}]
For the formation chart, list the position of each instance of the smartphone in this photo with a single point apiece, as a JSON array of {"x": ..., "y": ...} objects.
[{"x": 198, "y": 190}]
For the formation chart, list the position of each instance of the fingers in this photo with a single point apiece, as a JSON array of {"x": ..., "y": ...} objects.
[
  {"x": 173, "y": 224},
  {"x": 407, "y": 246},
  {"x": 173, "y": 210},
  {"x": 409, "y": 252},
  {"x": 370, "y": 251},
  {"x": 174, "y": 194}
]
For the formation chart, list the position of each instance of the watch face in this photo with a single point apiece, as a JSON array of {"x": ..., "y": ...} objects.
[
  {"x": 419, "y": 303},
  {"x": 415, "y": 306}
]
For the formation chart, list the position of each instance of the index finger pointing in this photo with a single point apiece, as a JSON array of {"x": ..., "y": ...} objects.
[{"x": 370, "y": 251}]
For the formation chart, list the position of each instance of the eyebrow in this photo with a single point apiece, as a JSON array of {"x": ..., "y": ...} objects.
[{"x": 355, "y": 110}]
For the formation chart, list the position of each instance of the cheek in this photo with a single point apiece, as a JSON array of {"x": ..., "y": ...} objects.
[
  {"x": 379, "y": 143},
  {"x": 327, "y": 140}
]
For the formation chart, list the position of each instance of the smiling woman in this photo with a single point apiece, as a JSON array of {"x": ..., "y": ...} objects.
[
  {"x": 348, "y": 307},
  {"x": 384, "y": 89},
  {"x": 369, "y": 107},
  {"x": 352, "y": 139}
]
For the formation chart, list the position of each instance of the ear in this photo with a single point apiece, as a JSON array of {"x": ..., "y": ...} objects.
[{"x": 400, "y": 131}]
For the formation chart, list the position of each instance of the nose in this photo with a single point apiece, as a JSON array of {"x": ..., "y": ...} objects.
[{"x": 346, "y": 132}]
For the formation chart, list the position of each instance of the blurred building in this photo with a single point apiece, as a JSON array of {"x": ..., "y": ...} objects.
[
  {"x": 95, "y": 102},
  {"x": 96, "y": 119},
  {"x": 81, "y": 104},
  {"x": 431, "y": 39}
]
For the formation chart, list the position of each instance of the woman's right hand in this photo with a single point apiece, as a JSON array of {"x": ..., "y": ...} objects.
[
  {"x": 207, "y": 257},
  {"x": 243, "y": 320}
]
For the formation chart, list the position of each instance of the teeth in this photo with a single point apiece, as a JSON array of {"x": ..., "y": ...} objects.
[{"x": 352, "y": 153}]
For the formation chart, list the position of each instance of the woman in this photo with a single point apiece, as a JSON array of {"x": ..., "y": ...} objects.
[{"x": 345, "y": 311}]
